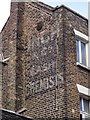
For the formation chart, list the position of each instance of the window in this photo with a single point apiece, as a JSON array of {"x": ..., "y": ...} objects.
[
  {"x": 84, "y": 108},
  {"x": 83, "y": 49},
  {"x": 81, "y": 52},
  {"x": 84, "y": 105}
]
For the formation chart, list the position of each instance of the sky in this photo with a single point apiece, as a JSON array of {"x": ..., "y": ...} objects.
[{"x": 80, "y": 6}]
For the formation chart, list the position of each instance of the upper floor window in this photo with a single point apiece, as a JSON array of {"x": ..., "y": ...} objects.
[
  {"x": 82, "y": 49},
  {"x": 84, "y": 108},
  {"x": 84, "y": 105},
  {"x": 81, "y": 52}
]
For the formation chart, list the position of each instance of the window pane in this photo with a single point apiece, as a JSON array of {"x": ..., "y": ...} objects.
[
  {"x": 86, "y": 105},
  {"x": 77, "y": 50},
  {"x": 83, "y": 53},
  {"x": 80, "y": 104}
]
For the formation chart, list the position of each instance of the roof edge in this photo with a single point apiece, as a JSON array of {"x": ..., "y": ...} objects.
[
  {"x": 46, "y": 5},
  {"x": 63, "y": 6},
  {"x": 52, "y": 9},
  {"x": 43, "y": 6},
  {"x": 14, "y": 113},
  {"x": 5, "y": 24}
]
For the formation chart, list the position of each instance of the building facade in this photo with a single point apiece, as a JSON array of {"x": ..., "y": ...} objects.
[{"x": 45, "y": 62}]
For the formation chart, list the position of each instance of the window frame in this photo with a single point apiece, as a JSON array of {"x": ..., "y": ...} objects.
[
  {"x": 81, "y": 40},
  {"x": 83, "y": 112}
]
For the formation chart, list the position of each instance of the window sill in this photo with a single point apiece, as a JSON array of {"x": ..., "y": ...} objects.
[
  {"x": 83, "y": 66},
  {"x": 4, "y": 61},
  {"x": 85, "y": 113}
]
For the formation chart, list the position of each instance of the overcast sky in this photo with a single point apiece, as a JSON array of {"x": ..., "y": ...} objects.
[{"x": 80, "y": 6}]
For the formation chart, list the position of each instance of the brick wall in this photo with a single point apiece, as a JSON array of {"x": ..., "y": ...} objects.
[
  {"x": 73, "y": 73},
  {"x": 9, "y": 35},
  {"x": 41, "y": 74}
]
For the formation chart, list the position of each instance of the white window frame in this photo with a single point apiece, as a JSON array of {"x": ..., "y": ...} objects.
[
  {"x": 83, "y": 113},
  {"x": 85, "y": 39},
  {"x": 85, "y": 92},
  {"x": 86, "y": 50}
]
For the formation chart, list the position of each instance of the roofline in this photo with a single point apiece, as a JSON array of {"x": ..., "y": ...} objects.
[
  {"x": 63, "y": 6},
  {"x": 5, "y": 24},
  {"x": 58, "y": 7},
  {"x": 46, "y": 5},
  {"x": 48, "y": 9},
  {"x": 52, "y": 9},
  {"x": 14, "y": 113}
]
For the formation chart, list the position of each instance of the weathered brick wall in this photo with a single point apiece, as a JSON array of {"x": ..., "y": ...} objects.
[
  {"x": 9, "y": 35},
  {"x": 41, "y": 74},
  {"x": 73, "y": 73},
  {"x": 0, "y": 71},
  {"x": 44, "y": 98}
]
